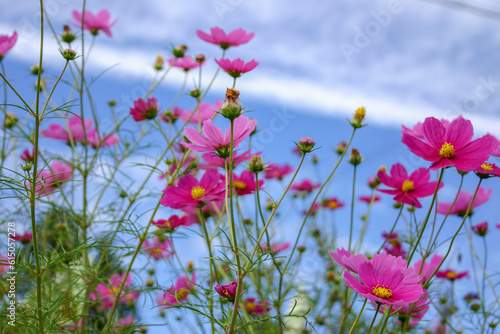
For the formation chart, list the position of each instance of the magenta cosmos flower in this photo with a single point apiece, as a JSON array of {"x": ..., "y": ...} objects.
[
  {"x": 496, "y": 151},
  {"x": 332, "y": 203},
  {"x": 28, "y": 155},
  {"x": 276, "y": 247},
  {"x": 245, "y": 183},
  {"x": 217, "y": 36},
  {"x": 191, "y": 192},
  {"x": 213, "y": 161},
  {"x": 369, "y": 198},
  {"x": 170, "y": 116},
  {"x": 236, "y": 67},
  {"x": 171, "y": 223},
  {"x": 106, "y": 293},
  {"x": 94, "y": 23},
  {"x": 74, "y": 130},
  {"x": 106, "y": 139},
  {"x": 384, "y": 283},
  {"x": 50, "y": 180},
  {"x": 275, "y": 171},
  {"x": 143, "y": 110},
  {"x": 463, "y": 201},
  {"x": 212, "y": 209},
  {"x": 304, "y": 187},
  {"x": 346, "y": 260},
  {"x": 227, "y": 291},
  {"x": 253, "y": 307},
  {"x": 160, "y": 248},
  {"x": 186, "y": 63},
  {"x": 204, "y": 112},
  {"x": 213, "y": 140},
  {"x": 427, "y": 269},
  {"x": 487, "y": 169},
  {"x": 179, "y": 292},
  {"x": 7, "y": 43},
  {"x": 451, "y": 275},
  {"x": 480, "y": 229},
  {"x": 451, "y": 146},
  {"x": 408, "y": 188}
]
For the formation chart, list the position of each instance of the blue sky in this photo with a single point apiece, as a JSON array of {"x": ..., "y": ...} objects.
[{"x": 319, "y": 61}]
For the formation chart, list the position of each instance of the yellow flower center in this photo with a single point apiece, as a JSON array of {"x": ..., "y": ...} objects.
[
  {"x": 451, "y": 275},
  {"x": 239, "y": 184},
  {"x": 181, "y": 293},
  {"x": 333, "y": 204},
  {"x": 382, "y": 292},
  {"x": 250, "y": 307},
  {"x": 407, "y": 186},
  {"x": 447, "y": 151},
  {"x": 360, "y": 113},
  {"x": 487, "y": 166},
  {"x": 197, "y": 192}
]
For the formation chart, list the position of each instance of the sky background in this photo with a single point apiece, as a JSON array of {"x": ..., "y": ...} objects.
[{"x": 319, "y": 61}]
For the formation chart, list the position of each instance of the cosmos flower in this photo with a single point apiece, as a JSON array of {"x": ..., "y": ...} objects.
[
  {"x": 28, "y": 155},
  {"x": 213, "y": 140},
  {"x": 159, "y": 249},
  {"x": 170, "y": 116},
  {"x": 171, "y": 223},
  {"x": 227, "y": 291},
  {"x": 143, "y": 110},
  {"x": 217, "y": 36},
  {"x": 191, "y": 192},
  {"x": 487, "y": 170},
  {"x": 369, "y": 198},
  {"x": 451, "y": 275},
  {"x": 304, "y": 187},
  {"x": 94, "y": 23},
  {"x": 452, "y": 146},
  {"x": 253, "y": 307},
  {"x": 346, "y": 260},
  {"x": 179, "y": 292},
  {"x": 213, "y": 161},
  {"x": 7, "y": 43},
  {"x": 463, "y": 201},
  {"x": 75, "y": 130},
  {"x": 276, "y": 247},
  {"x": 275, "y": 171},
  {"x": 56, "y": 177},
  {"x": 480, "y": 229},
  {"x": 427, "y": 269},
  {"x": 106, "y": 139},
  {"x": 332, "y": 203},
  {"x": 496, "y": 151},
  {"x": 204, "y": 112},
  {"x": 236, "y": 67},
  {"x": 186, "y": 63},
  {"x": 407, "y": 189},
  {"x": 245, "y": 184},
  {"x": 105, "y": 293}
]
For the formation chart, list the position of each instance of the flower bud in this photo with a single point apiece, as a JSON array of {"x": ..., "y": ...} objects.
[
  {"x": 231, "y": 108},
  {"x": 68, "y": 36},
  {"x": 158, "y": 65},
  {"x": 373, "y": 182},
  {"x": 397, "y": 205},
  {"x": 443, "y": 300},
  {"x": 474, "y": 307},
  {"x": 256, "y": 164},
  {"x": 195, "y": 93},
  {"x": 341, "y": 147},
  {"x": 355, "y": 157},
  {"x": 493, "y": 324},
  {"x": 10, "y": 121},
  {"x": 410, "y": 208},
  {"x": 200, "y": 58},
  {"x": 150, "y": 282},
  {"x": 358, "y": 117},
  {"x": 68, "y": 54},
  {"x": 301, "y": 248},
  {"x": 179, "y": 51},
  {"x": 42, "y": 85},
  {"x": 151, "y": 271},
  {"x": 27, "y": 167},
  {"x": 306, "y": 144},
  {"x": 190, "y": 266},
  {"x": 35, "y": 69},
  {"x": 315, "y": 159},
  {"x": 247, "y": 221},
  {"x": 122, "y": 194}
]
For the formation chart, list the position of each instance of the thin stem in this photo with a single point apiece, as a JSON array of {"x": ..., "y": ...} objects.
[
  {"x": 352, "y": 206},
  {"x": 357, "y": 318},
  {"x": 392, "y": 229},
  {"x": 373, "y": 320}
]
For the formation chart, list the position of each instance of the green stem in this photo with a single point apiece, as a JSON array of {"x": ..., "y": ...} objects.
[
  {"x": 357, "y": 318},
  {"x": 373, "y": 320},
  {"x": 352, "y": 206}
]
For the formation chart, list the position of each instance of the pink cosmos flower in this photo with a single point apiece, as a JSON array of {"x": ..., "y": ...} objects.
[
  {"x": 451, "y": 146},
  {"x": 417, "y": 131},
  {"x": 143, "y": 110},
  {"x": 236, "y": 67},
  {"x": 393, "y": 235},
  {"x": 313, "y": 210},
  {"x": 213, "y": 161},
  {"x": 480, "y": 229},
  {"x": 159, "y": 249},
  {"x": 123, "y": 324},
  {"x": 106, "y": 293},
  {"x": 213, "y": 140},
  {"x": 186, "y": 63},
  {"x": 28, "y": 155},
  {"x": 304, "y": 187},
  {"x": 227, "y": 291},
  {"x": 427, "y": 269},
  {"x": 332, "y": 203},
  {"x": 487, "y": 169},
  {"x": 451, "y": 275},
  {"x": 94, "y": 23},
  {"x": 179, "y": 292},
  {"x": 171, "y": 223},
  {"x": 394, "y": 247},
  {"x": 217, "y": 36},
  {"x": 253, "y": 307},
  {"x": 25, "y": 238},
  {"x": 463, "y": 201},
  {"x": 212, "y": 209},
  {"x": 191, "y": 192},
  {"x": 204, "y": 112},
  {"x": 56, "y": 177},
  {"x": 7, "y": 43},
  {"x": 408, "y": 188},
  {"x": 170, "y": 116},
  {"x": 276, "y": 247},
  {"x": 369, "y": 198},
  {"x": 245, "y": 183},
  {"x": 106, "y": 140},
  {"x": 496, "y": 151},
  {"x": 74, "y": 130},
  {"x": 275, "y": 171},
  {"x": 384, "y": 283}
]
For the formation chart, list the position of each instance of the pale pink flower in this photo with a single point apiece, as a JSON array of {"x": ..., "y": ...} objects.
[
  {"x": 217, "y": 36},
  {"x": 158, "y": 249},
  {"x": 275, "y": 171},
  {"x": 236, "y": 67},
  {"x": 74, "y": 131},
  {"x": 276, "y": 247},
  {"x": 186, "y": 63},
  {"x": 7, "y": 43},
  {"x": 179, "y": 292},
  {"x": 463, "y": 201},
  {"x": 94, "y": 23},
  {"x": 213, "y": 161},
  {"x": 204, "y": 112},
  {"x": 50, "y": 180}
]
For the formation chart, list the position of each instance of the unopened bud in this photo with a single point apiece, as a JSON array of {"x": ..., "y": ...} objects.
[
  {"x": 355, "y": 157},
  {"x": 27, "y": 167},
  {"x": 10, "y": 121},
  {"x": 158, "y": 65},
  {"x": 123, "y": 194},
  {"x": 179, "y": 51},
  {"x": 68, "y": 35},
  {"x": 306, "y": 144},
  {"x": 69, "y": 54},
  {"x": 35, "y": 69},
  {"x": 112, "y": 103},
  {"x": 195, "y": 93},
  {"x": 341, "y": 147},
  {"x": 231, "y": 108},
  {"x": 150, "y": 282},
  {"x": 200, "y": 58},
  {"x": 301, "y": 248},
  {"x": 358, "y": 117},
  {"x": 315, "y": 159},
  {"x": 190, "y": 266},
  {"x": 474, "y": 307},
  {"x": 42, "y": 85},
  {"x": 256, "y": 164},
  {"x": 373, "y": 182}
]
